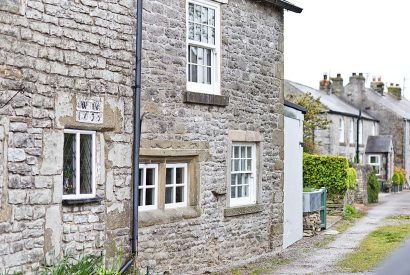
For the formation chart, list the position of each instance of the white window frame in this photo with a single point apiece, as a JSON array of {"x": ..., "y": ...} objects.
[
  {"x": 251, "y": 199},
  {"x": 143, "y": 186},
  {"x": 341, "y": 130},
  {"x": 375, "y": 164},
  {"x": 360, "y": 132},
  {"x": 77, "y": 194},
  {"x": 215, "y": 86},
  {"x": 174, "y": 185},
  {"x": 351, "y": 132}
]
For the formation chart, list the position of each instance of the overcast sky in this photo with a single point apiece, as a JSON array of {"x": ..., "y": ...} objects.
[{"x": 346, "y": 36}]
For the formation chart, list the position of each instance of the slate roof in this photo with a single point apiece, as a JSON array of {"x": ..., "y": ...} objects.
[
  {"x": 332, "y": 103},
  {"x": 295, "y": 106},
  {"x": 285, "y": 5},
  {"x": 378, "y": 144},
  {"x": 400, "y": 107}
]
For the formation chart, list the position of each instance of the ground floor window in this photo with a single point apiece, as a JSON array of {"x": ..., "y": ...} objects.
[
  {"x": 148, "y": 187},
  {"x": 243, "y": 174},
  {"x": 79, "y": 164},
  {"x": 374, "y": 161}
]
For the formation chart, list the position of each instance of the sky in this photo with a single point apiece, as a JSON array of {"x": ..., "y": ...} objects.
[{"x": 345, "y": 36}]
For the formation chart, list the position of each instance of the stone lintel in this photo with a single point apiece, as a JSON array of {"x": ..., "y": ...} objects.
[{"x": 245, "y": 136}]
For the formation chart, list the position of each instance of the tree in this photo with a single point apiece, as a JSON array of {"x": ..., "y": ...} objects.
[{"x": 315, "y": 118}]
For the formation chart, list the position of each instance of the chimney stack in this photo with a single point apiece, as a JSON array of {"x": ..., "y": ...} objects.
[
  {"x": 337, "y": 85},
  {"x": 395, "y": 91},
  {"x": 357, "y": 80},
  {"x": 325, "y": 84},
  {"x": 377, "y": 86}
]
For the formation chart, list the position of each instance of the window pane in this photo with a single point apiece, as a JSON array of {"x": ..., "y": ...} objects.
[
  {"x": 179, "y": 194},
  {"x": 140, "y": 202},
  {"x": 204, "y": 35},
  {"x": 239, "y": 194},
  {"x": 200, "y": 56},
  {"x": 150, "y": 177},
  {"x": 211, "y": 17},
  {"x": 169, "y": 176},
  {"x": 208, "y": 78},
  {"x": 69, "y": 164},
  {"x": 193, "y": 54},
  {"x": 141, "y": 177},
  {"x": 243, "y": 166},
  {"x": 204, "y": 15},
  {"x": 249, "y": 149},
  {"x": 200, "y": 74},
  {"x": 236, "y": 165},
  {"x": 191, "y": 31},
  {"x": 208, "y": 59},
  {"x": 249, "y": 165},
  {"x": 236, "y": 150},
  {"x": 191, "y": 12},
  {"x": 169, "y": 196},
  {"x": 85, "y": 164},
  {"x": 233, "y": 192},
  {"x": 211, "y": 36},
  {"x": 243, "y": 154},
  {"x": 197, "y": 33},
  {"x": 180, "y": 175},
  {"x": 239, "y": 180},
  {"x": 246, "y": 191},
  {"x": 233, "y": 179},
  {"x": 149, "y": 196},
  {"x": 197, "y": 15}
]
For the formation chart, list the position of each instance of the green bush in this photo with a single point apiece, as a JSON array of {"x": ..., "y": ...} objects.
[
  {"x": 86, "y": 265},
  {"x": 351, "y": 180},
  {"x": 372, "y": 188},
  {"x": 396, "y": 179},
  {"x": 325, "y": 171},
  {"x": 350, "y": 213}
]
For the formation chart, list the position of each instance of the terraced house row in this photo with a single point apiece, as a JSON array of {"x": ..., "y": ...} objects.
[{"x": 210, "y": 185}]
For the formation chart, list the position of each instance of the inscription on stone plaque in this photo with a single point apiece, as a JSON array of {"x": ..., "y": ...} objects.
[{"x": 90, "y": 110}]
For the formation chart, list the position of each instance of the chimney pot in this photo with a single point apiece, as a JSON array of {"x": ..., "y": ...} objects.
[
  {"x": 354, "y": 74},
  {"x": 380, "y": 78},
  {"x": 339, "y": 75},
  {"x": 397, "y": 85},
  {"x": 391, "y": 84},
  {"x": 360, "y": 74}
]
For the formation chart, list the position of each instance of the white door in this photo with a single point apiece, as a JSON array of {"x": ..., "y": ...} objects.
[{"x": 293, "y": 181}]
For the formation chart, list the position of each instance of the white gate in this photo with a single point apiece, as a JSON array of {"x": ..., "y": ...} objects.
[{"x": 293, "y": 177}]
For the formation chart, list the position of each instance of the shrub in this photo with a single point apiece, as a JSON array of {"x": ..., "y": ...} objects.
[
  {"x": 350, "y": 213},
  {"x": 401, "y": 175},
  {"x": 325, "y": 171},
  {"x": 396, "y": 179},
  {"x": 351, "y": 180},
  {"x": 372, "y": 188}
]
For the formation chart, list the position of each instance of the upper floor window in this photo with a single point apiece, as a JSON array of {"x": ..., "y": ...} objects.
[
  {"x": 243, "y": 174},
  {"x": 360, "y": 132},
  {"x": 341, "y": 130},
  {"x": 203, "y": 46},
  {"x": 351, "y": 132},
  {"x": 79, "y": 164}
]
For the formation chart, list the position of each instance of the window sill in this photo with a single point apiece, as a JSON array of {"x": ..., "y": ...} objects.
[
  {"x": 81, "y": 201},
  {"x": 207, "y": 99},
  {"x": 171, "y": 215},
  {"x": 243, "y": 210}
]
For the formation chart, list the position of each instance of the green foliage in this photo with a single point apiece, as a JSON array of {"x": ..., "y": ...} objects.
[
  {"x": 399, "y": 176},
  {"x": 308, "y": 189},
  {"x": 86, "y": 265},
  {"x": 396, "y": 179},
  {"x": 350, "y": 213},
  {"x": 351, "y": 180},
  {"x": 325, "y": 171},
  {"x": 373, "y": 188},
  {"x": 314, "y": 119}
]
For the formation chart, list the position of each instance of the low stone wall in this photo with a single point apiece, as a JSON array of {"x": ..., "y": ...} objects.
[
  {"x": 335, "y": 205},
  {"x": 311, "y": 224}
]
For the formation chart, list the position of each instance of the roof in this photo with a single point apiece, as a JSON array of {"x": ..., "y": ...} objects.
[
  {"x": 379, "y": 144},
  {"x": 400, "y": 107},
  {"x": 295, "y": 106},
  {"x": 332, "y": 103},
  {"x": 286, "y": 5}
]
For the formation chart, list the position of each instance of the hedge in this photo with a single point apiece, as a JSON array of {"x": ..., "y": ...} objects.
[
  {"x": 351, "y": 180},
  {"x": 326, "y": 171},
  {"x": 373, "y": 188}
]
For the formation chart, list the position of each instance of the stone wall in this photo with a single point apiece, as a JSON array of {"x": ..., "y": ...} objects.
[
  {"x": 363, "y": 172},
  {"x": 54, "y": 52}
]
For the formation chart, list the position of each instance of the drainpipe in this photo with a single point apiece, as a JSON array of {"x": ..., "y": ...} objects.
[
  {"x": 357, "y": 139},
  {"x": 137, "y": 138}
]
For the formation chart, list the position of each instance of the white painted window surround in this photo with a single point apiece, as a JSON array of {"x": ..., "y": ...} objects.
[
  {"x": 351, "y": 132},
  {"x": 79, "y": 164},
  {"x": 341, "y": 130},
  {"x": 374, "y": 161},
  {"x": 243, "y": 174},
  {"x": 176, "y": 185},
  {"x": 203, "y": 46},
  {"x": 148, "y": 187}
]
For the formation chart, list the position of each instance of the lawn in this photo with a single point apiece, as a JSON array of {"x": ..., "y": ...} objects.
[{"x": 375, "y": 248}]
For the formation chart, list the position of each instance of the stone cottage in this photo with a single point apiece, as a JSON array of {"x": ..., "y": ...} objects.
[
  {"x": 211, "y": 173},
  {"x": 380, "y": 156},
  {"x": 342, "y": 134},
  {"x": 391, "y": 109}
]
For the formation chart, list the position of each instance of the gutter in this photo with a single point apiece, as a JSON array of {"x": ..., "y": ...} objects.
[
  {"x": 351, "y": 115},
  {"x": 286, "y": 5},
  {"x": 137, "y": 138}
]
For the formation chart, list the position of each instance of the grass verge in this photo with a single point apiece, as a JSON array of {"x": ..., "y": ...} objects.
[
  {"x": 264, "y": 268},
  {"x": 375, "y": 248},
  {"x": 399, "y": 217}
]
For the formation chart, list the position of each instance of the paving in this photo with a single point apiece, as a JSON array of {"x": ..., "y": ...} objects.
[{"x": 324, "y": 260}]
